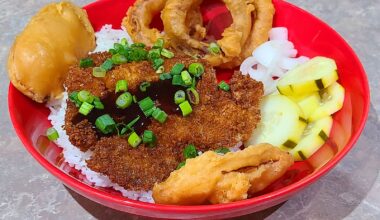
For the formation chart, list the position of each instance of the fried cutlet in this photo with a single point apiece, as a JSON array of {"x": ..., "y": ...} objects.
[{"x": 221, "y": 119}]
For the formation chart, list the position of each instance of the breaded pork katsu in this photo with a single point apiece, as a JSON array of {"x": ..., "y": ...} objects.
[{"x": 220, "y": 119}]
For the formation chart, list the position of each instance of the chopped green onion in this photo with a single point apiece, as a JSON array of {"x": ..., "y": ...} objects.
[
  {"x": 160, "y": 70},
  {"x": 119, "y": 59},
  {"x": 149, "y": 112},
  {"x": 159, "y": 43},
  {"x": 177, "y": 69},
  {"x": 185, "y": 108},
  {"x": 190, "y": 151},
  {"x": 154, "y": 54},
  {"x": 124, "y": 100},
  {"x": 214, "y": 48},
  {"x": 86, "y": 62},
  {"x": 157, "y": 63},
  {"x": 105, "y": 124},
  {"x": 144, "y": 86},
  {"x": 165, "y": 76},
  {"x": 134, "y": 99},
  {"x": 52, "y": 134},
  {"x": 224, "y": 86},
  {"x": 197, "y": 69},
  {"x": 118, "y": 47},
  {"x": 85, "y": 108},
  {"x": 177, "y": 80},
  {"x": 222, "y": 150},
  {"x": 179, "y": 97},
  {"x": 180, "y": 165},
  {"x": 193, "y": 96},
  {"x": 112, "y": 51},
  {"x": 136, "y": 54},
  {"x": 124, "y": 42},
  {"x": 85, "y": 96},
  {"x": 133, "y": 122},
  {"x": 97, "y": 103},
  {"x": 99, "y": 72},
  {"x": 107, "y": 65},
  {"x": 159, "y": 115},
  {"x": 146, "y": 104},
  {"x": 149, "y": 138},
  {"x": 138, "y": 45},
  {"x": 186, "y": 78},
  {"x": 123, "y": 131},
  {"x": 167, "y": 53},
  {"x": 74, "y": 98},
  {"x": 134, "y": 140},
  {"x": 121, "y": 86}
]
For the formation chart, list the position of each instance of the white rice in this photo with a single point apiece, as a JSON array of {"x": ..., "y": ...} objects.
[{"x": 106, "y": 37}]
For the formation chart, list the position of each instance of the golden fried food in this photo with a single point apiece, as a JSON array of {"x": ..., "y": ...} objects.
[
  {"x": 55, "y": 38},
  {"x": 140, "y": 16},
  {"x": 233, "y": 37},
  {"x": 263, "y": 14},
  {"x": 213, "y": 178}
]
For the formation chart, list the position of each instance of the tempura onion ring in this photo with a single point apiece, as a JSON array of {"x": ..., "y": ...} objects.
[
  {"x": 233, "y": 37},
  {"x": 140, "y": 16}
]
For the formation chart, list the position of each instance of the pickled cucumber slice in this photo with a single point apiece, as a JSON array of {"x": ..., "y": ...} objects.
[
  {"x": 314, "y": 136},
  {"x": 309, "y": 104},
  {"x": 281, "y": 123},
  {"x": 312, "y": 76},
  {"x": 332, "y": 100}
]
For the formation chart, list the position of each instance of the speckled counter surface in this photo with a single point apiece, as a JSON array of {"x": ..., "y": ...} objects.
[{"x": 350, "y": 191}]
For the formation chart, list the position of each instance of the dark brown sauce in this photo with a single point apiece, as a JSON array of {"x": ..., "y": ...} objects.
[{"x": 161, "y": 92}]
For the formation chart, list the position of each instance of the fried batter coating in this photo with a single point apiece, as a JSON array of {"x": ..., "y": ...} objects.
[
  {"x": 263, "y": 22},
  {"x": 234, "y": 37},
  {"x": 213, "y": 178},
  {"x": 141, "y": 14},
  {"x": 221, "y": 119}
]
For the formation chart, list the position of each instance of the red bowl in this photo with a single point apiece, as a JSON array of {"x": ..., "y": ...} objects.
[{"x": 311, "y": 37}]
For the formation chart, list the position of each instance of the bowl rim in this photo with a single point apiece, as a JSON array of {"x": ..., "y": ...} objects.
[{"x": 280, "y": 193}]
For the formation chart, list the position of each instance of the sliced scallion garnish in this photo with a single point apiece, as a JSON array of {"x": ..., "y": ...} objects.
[
  {"x": 167, "y": 53},
  {"x": 119, "y": 59},
  {"x": 97, "y": 103},
  {"x": 157, "y": 63},
  {"x": 105, "y": 124},
  {"x": 146, "y": 104},
  {"x": 196, "y": 69},
  {"x": 99, "y": 72},
  {"x": 159, "y": 115},
  {"x": 214, "y": 48},
  {"x": 222, "y": 150},
  {"x": 144, "y": 86},
  {"x": 124, "y": 100},
  {"x": 224, "y": 86},
  {"x": 180, "y": 165},
  {"x": 134, "y": 140},
  {"x": 107, "y": 65},
  {"x": 190, "y": 151},
  {"x": 186, "y": 78},
  {"x": 165, "y": 76},
  {"x": 159, "y": 43},
  {"x": 193, "y": 96},
  {"x": 149, "y": 138},
  {"x": 86, "y": 62},
  {"x": 85, "y": 108},
  {"x": 52, "y": 134},
  {"x": 154, "y": 54},
  {"x": 177, "y": 69},
  {"x": 85, "y": 96},
  {"x": 177, "y": 80},
  {"x": 160, "y": 70},
  {"x": 179, "y": 97},
  {"x": 186, "y": 108},
  {"x": 121, "y": 86}
]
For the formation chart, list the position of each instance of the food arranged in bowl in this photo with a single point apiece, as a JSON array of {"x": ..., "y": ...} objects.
[{"x": 150, "y": 112}]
